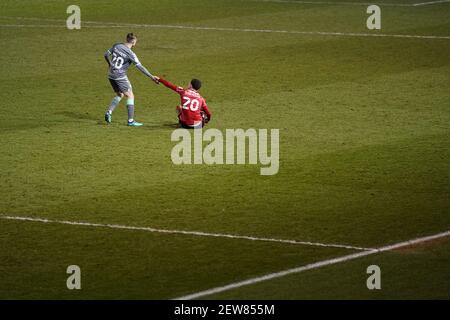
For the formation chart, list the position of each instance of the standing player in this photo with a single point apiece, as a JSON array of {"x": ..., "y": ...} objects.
[
  {"x": 193, "y": 112},
  {"x": 119, "y": 58}
]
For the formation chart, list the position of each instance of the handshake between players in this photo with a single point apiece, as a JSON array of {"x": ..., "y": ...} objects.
[{"x": 192, "y": 113}]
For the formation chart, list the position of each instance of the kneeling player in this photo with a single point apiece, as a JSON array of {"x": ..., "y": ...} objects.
[{"x": 193, "y": 112}]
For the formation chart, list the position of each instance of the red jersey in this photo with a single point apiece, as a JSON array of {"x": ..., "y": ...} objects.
[{"x": 192, "y": 103}]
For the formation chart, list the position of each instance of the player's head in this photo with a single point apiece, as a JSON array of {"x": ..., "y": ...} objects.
[
  {"x": 131, "y": 39},
  {"x": 196, "y": 84}
]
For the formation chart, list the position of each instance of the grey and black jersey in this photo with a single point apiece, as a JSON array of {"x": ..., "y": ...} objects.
[{"x": 121, "y": 57}]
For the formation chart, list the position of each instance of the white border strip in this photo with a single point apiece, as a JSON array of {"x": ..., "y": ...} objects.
[
  {"x": 191, "y": 233},
  {"x": 99, "y": 24},
  {"x": 311, "y": 266}
]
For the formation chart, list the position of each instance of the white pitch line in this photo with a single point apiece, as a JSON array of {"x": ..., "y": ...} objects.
[
  {"x": 192, "y": 233},
  {"x": 54, "y": 26},
  {"x": 31, "y": 26},
  {"x": 337, "y": 3},
  {"x": 286, "y": 31},
  {"x": 428, "y": 3},
  {"x": 166, "y": 26},
  {"x": 311, "y": 266},
  {"x": 341, "y": 34},
  {"x": 381, "y": 4}
]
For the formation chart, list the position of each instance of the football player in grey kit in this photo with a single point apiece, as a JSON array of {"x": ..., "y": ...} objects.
[{"x": 119, "y": 58}]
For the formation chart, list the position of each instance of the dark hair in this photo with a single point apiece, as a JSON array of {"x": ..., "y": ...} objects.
[
  {"x": 196, "y": 84},
  {"x": 130, "y": 37}
]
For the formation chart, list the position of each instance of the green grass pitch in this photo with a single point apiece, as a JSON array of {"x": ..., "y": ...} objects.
[{"x": 364, "y": 150}]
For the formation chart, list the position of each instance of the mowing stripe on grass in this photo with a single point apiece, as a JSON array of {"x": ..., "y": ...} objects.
[
  {"x": 191, "y": 233},
  {"x": 312, "y": 266},
  {"x": 101, "y": 24}
]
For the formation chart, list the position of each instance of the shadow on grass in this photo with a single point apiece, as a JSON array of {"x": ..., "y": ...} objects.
[
  {"x": 99, "y": 120},
  {"x": 164, "y": 125},
  {"x": 80, "y": 116}
]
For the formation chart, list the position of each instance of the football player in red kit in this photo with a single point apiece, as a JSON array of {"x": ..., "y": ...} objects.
[{"x": 193, "y": 112}]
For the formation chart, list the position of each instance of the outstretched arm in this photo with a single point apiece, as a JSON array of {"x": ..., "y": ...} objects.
[
  {"x": 146, "y": 72},
  {"x": 170, "y": 85},
  {"x": 141, "y": 68}
]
